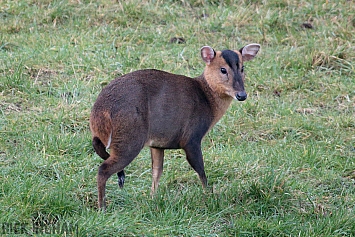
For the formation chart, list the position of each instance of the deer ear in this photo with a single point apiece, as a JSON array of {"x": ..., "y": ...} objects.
[
  {"x": 249, "y": 51},
  {"x": 207, "y": 54}
]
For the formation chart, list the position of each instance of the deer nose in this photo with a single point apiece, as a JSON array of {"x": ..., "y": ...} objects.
[{"x": 241, "y": 96}]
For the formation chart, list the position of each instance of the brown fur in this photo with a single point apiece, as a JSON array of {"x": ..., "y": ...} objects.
[{"x": 163, "y": 111}]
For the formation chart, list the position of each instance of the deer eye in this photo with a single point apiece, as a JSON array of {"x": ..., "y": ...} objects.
[{"x": 223, "y": 70}]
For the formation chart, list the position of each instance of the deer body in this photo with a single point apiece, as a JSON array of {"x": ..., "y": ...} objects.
[{"x": 164, "y": 111}]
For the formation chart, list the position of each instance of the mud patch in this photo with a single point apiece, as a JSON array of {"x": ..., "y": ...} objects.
[
  {"x": 42, "y": 76},
  {"x": 8, "y": 108}
]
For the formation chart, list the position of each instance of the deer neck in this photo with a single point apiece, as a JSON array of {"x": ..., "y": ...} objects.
[{"x": 219, "y": 102}]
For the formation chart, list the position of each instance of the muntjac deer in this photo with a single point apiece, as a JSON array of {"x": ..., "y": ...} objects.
[{"x": 164, "y": 111}]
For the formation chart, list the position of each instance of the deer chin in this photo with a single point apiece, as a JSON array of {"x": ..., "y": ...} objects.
[{"x": 232, "y": 94}]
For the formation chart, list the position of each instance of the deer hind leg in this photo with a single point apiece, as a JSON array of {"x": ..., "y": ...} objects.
[
  {"x": 121, "y": 177},
  {"x": 157, "y": 167},
  {"x": 100, "y": 149},
  {"x": 117, "y": 161}
]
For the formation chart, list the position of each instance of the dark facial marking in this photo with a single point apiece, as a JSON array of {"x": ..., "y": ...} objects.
[{"x": 231, "y": 58}]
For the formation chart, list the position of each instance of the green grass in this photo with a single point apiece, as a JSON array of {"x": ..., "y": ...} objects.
[{"x": 280, "y": 164}]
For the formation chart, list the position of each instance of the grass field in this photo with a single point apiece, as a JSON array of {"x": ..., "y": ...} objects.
[{"x": 282, "y": 163}]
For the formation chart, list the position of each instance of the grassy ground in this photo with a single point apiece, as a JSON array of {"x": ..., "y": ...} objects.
[{"x": 280, "y": 164}]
